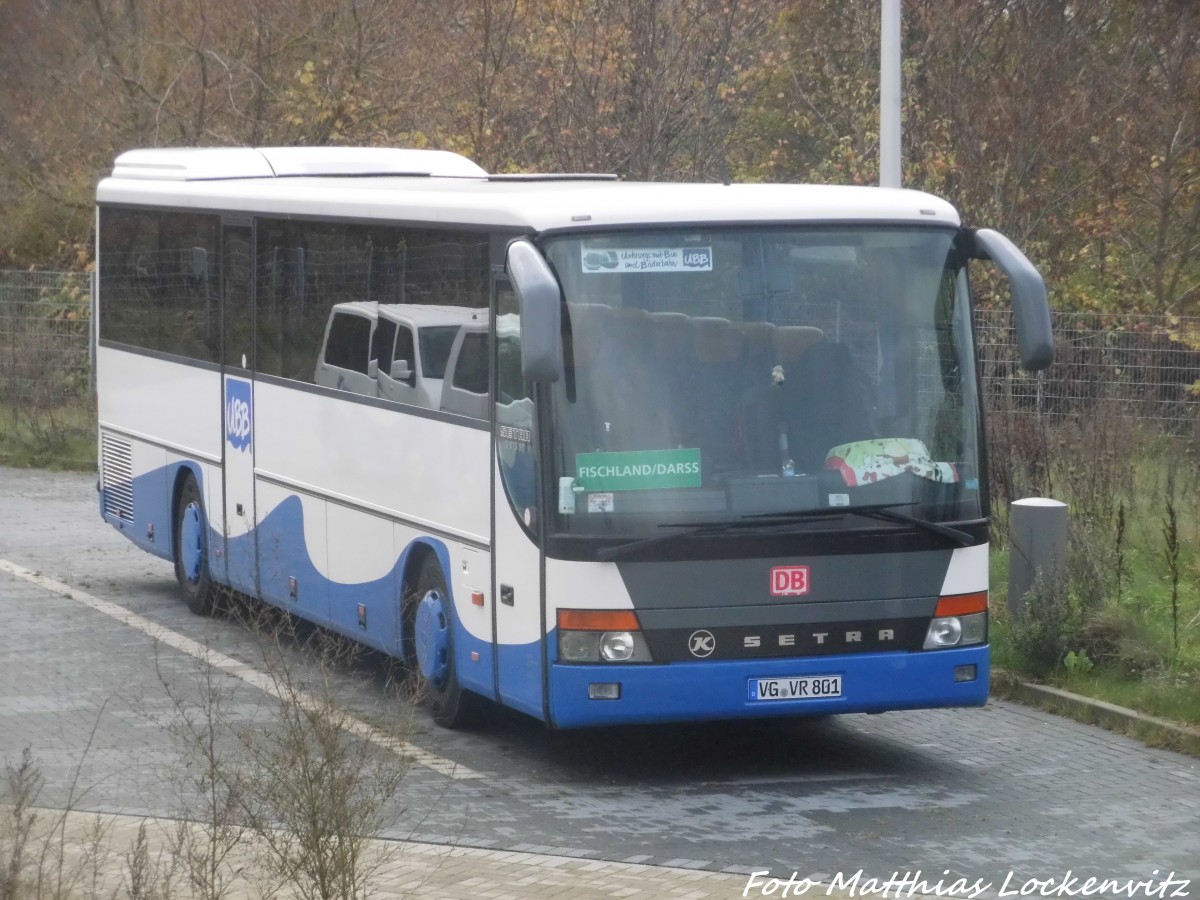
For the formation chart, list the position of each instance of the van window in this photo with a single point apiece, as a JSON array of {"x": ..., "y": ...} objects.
[
  {"x": 436, "y": 343},
  {"x": 404, "y": 347},
  {"x": 381, "y": 343},
  {"x": 471, "y": 370},
  {"x": 349, "y": 342}
]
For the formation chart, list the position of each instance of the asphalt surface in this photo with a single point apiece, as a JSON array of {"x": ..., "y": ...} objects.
[{"x": 978, "y": 794}]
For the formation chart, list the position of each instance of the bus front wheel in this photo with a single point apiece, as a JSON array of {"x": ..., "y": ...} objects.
[
  {"x": 191, "y": 550},
  {"x": 431, "y": 625}
]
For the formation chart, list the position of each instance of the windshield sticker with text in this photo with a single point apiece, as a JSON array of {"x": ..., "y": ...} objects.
[
  {"x": 637, "y": 470},
  {"x": 647, "y": 259}
]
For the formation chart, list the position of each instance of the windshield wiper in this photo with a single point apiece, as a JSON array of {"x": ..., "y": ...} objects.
[
  {"x": 760, "y": 521},
  {"x": 883, "y": 511},
  {"x": 617, "y": 551}
]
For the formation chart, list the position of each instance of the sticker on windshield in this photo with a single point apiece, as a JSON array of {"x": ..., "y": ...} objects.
[
  {"x": 647, "y": 259},
  {"x": 600, "y": 503},
  {"x": 638, "y": 470}
]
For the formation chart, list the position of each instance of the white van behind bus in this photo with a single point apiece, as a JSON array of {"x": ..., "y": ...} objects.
[{"x": 396, "y": 351}]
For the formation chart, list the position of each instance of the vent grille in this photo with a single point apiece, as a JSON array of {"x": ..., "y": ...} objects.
[{"x": 116, "y": 474}]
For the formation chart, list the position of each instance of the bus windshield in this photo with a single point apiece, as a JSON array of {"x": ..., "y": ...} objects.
[{"x": 723, "y": 374}]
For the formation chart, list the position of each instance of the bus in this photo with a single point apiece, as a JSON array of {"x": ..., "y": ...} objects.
[{"x": 694, "y": 452}]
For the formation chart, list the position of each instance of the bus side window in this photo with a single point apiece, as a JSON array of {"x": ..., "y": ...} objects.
[{"x": 516, "y": 429}]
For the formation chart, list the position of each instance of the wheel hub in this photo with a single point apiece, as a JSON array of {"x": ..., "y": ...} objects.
[
  {"x": 432, "y": 633},
  {"x": 191, "y": 542}
]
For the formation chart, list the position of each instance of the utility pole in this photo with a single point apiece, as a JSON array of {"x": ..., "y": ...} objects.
[{"x": 889, "y": 94}]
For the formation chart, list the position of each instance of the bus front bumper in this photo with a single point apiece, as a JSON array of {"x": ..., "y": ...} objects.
[{"x": 699, "y": 691}]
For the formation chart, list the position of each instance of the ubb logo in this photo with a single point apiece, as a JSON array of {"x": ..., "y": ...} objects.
[
  {"x": 237, "y": 413},
  {"x": 789, "y": 581},
  {"x": 698, "y": 258}
]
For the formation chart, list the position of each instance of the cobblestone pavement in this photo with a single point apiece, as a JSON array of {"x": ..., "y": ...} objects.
[
  {"x": 102, "y": 847},
  {"x": 976, "y": 793}
]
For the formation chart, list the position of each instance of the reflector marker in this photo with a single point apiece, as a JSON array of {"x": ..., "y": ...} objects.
[
  {"x": 961, "y": 604},
  {"x": 598, "y": 620}
]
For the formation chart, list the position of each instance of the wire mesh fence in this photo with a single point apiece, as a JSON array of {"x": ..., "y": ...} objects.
[
  {"x": 1141, "y": 367},
  {"x": 1130, "y": 365},
  {"x": 46, "y": 411},
  {"x": 44, "y": 328}
]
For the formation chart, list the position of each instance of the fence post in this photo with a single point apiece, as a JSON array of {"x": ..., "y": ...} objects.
[{"x": 1038, "y": 549}]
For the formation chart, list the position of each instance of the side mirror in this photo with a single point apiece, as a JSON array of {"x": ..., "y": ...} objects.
[
  {"x": 373, "y": 369},
  {"x": 541, "y": 312},
  {"x": 1031, "y": 308},
  {"x": 400, "y": 370}
]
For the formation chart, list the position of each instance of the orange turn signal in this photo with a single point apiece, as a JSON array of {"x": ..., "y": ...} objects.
[
  {"x": 961, "y": 605},
  {"x": 598, "y": 620}
]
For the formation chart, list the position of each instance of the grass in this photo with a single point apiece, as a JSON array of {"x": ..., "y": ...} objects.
[
  {"x": 1172, "y": 693},
  {"x": 1168, "y": 695},
  {"x": 61, "y": 436},
  {"x": 1126, "y": 627}
]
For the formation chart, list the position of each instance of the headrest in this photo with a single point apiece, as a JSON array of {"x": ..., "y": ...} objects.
[
  {"x": 671, "y": 333},
  {"x": 716, "y": 340},
  {"x": 758, "y": 336},
  {"x": 790, "y": 341}
]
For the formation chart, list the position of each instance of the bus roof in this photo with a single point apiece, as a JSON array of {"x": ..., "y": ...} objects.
[{"x": 437, "y": 187}]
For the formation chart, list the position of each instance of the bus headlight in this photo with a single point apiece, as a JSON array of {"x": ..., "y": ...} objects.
[
  {"x": 601, "y": 636},
  {"x": 579, "y": 646},
  {"x": 958, "y": 621},
  {"x": 616, "y": 646},
  {"x": 943, "y": 633},
  {"x": 956, "y": 631}
]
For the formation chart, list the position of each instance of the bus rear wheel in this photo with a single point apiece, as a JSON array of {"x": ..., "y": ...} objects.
[
  {"x": 431, "y": 626},
  {"x": 191, "y": 550}
]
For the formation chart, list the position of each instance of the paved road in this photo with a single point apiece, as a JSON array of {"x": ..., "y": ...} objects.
[{"x": 979, "y": 793}]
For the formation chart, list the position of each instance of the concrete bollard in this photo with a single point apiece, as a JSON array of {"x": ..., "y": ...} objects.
[{"x": 1037, "y": 546}]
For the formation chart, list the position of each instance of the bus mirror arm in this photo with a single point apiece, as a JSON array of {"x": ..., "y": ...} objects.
[
  {"x": 1031, "y": 308},
  {"x": 541, "y": 312}
]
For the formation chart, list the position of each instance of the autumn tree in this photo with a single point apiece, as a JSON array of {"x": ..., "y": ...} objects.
[
  {"x": 1157, "y": 215},
  {"x": 1072, "y": 126},
  {"x": 86, "y": 79},
  {"x": 649, "y": 89}
]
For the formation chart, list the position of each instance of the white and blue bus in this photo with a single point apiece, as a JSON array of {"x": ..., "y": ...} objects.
[{"x": 601, "y": 452}]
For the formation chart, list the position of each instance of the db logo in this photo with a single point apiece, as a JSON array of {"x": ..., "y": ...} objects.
[
  {"x": 237, "y": 414},
  {"x": 789, "y": 581}
]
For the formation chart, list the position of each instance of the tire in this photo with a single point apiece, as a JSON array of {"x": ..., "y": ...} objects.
[
  {"x": 430, "y": 641},
  {"x": 191, "y": 551}
]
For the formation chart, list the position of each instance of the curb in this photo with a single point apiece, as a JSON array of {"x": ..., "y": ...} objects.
[{"x": 1150, "y": 729}]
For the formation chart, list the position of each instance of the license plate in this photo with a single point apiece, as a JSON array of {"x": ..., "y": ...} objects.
[{"x": 802, "y": 687}]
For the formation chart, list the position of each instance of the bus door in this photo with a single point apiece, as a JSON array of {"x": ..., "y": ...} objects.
[
  {"x": 237, "y": 304},
  {"x": 518, "y": 618}
]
